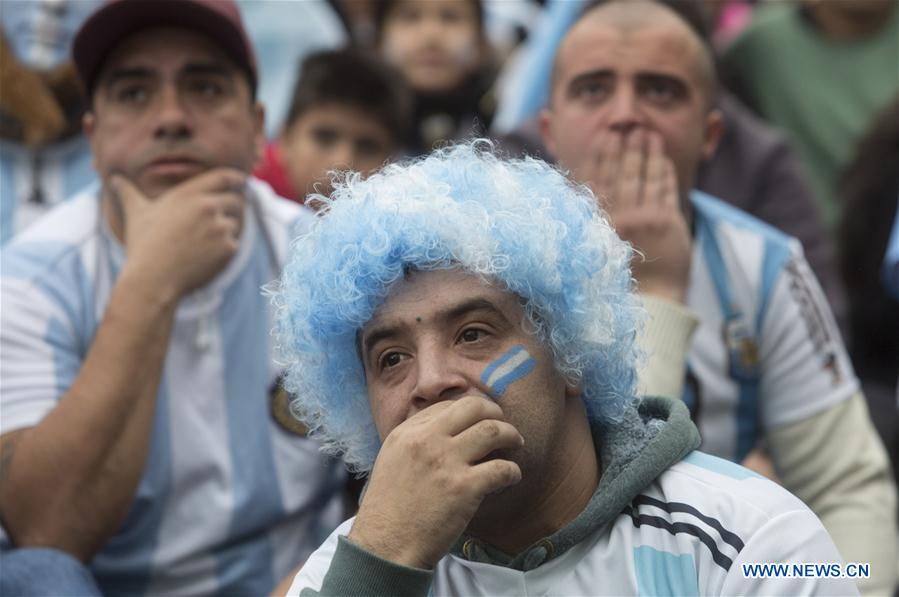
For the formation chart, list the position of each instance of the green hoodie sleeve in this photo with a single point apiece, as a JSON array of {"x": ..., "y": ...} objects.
[{"x": 357, "y": 572}]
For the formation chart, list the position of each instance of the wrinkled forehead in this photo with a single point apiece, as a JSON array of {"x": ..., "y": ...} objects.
[
  {"x": 612, "y": 36},
  {"x": 596, "y": 44},
  {"x": 431, "y": 298},
  {"x": 427, "y": 291},
  {"x": 158, "y": 48}
]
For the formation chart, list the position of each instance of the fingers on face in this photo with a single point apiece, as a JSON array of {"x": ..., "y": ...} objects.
[
  {"x": 494, "y": 475},
  {"x": 224, "y": 199},
  {"x": 608, "y": 153},
  {"x": 230, "y": 226},
  {"x": 656, "y": 171},
  {"x": 670, "y": 192},
  {"x": 218, "y": 180},
  {"x": 629, "y": 191},
  {"x": 227, "y": 189},
  {"x": 646, "y": 176},
  {"x": 122, "y": 187},
  {"x": 459, "y": 415},
  {"x": 485, "y": 436},
  {"x": 219, "y": 193},
  {"x": 126, "y": 194},
  {"x": 231, "y": 204}
]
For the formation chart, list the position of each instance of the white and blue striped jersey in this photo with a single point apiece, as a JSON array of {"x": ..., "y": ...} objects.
[
  {"x": 767, "y": 351},
  {"x": 229, "y": 501},
  {"x": 33, "y": 181},
  {"x": 690, "y": 532}
]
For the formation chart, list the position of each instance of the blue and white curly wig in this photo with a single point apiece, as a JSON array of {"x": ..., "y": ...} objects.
[{"x": 519, "y": 224}]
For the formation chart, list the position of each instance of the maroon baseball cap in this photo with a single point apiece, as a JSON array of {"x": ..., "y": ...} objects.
[{"x": 117, "y": 19}]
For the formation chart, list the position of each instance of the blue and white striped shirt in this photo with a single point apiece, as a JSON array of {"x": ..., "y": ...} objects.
[
  {"x": 34, "y": 181},
  {"x": 767, "y": 351}
]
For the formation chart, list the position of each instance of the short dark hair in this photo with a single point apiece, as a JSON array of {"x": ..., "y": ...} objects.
[
  {"x": 383, "y": 8},
  {"x": 350, "y": 78},
  {"x": 690, "y": 12}
]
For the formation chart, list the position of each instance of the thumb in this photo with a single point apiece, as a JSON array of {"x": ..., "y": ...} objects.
[{"x": 126, "y": 194}]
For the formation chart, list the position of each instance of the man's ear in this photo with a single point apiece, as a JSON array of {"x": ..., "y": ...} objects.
[
  {"x": 89, "y": 126},
  {"x": 284, "y": 134},
  {"x": 573, "y": 390},
  {"x": 259, "y": 117},
  {"x": 484, "y": 50},
  {"x": 545, "y": 119},
  {"x": 714, "y": 130}
]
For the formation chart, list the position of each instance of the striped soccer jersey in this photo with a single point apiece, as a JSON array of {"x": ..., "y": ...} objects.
[
  {"x": 32, "y": 182},
  {"x": 690, "y": 532},
  {"x": 767, "y": 351},
  {"x": 229, "y": 501}
]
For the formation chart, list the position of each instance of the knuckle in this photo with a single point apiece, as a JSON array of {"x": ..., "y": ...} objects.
[
  {"x": 477, "y": 402},
  {"x": 432, "y": 461},
  {"x": 468, "y": 401},
  {"x": 503, "y": 473},
  {"x": 477, "y": 405},
  {"x": 392, "y": 441},
  {"x": 490, "y": 429},
  {"x": 489, "y": 408},
  {"x": 454, "y": 484},
  {"x": 417, "y": 447},
  {"x": 207, "y": 208}
]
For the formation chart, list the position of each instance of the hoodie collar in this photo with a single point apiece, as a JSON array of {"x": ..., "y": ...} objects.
[{"x": 654, "y": 434}]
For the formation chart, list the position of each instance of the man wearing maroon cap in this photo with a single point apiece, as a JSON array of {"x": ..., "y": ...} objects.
[{"x": 145, "y": 443}]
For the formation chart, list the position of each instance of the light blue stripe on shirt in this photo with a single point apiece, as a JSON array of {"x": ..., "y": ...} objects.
[
  {"x": 243, "y": 318},
  {"x": 125, "y": 565},
  {"x": 663, "y": 573}
]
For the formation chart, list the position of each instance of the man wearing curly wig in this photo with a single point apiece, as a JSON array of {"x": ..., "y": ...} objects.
[{"x": 463, "y": 328}]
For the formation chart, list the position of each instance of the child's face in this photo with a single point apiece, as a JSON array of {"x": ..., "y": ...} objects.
[
  {"x": 436, "y": 44},
  {"x": 332, "y": 137}
]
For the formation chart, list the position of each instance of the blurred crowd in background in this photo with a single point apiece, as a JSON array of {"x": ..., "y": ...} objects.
[{"x": 351, "y": 84}]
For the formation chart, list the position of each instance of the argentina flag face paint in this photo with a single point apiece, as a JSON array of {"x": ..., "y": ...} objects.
[{"x": 507, "y": 369}]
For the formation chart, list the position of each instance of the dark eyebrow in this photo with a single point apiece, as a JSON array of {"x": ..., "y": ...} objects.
[
  {"x": 454, "y": 313},
  {"x": 469, "y": 306},
  {"x": 378, "y": 334},
  {"x": 206, "y": 68},
  {"x": 656, "y": 77},
  {"x": 191, "y": 68},
  {"x": 591, "y": 75},
  {"x": 127, "y": 73}
]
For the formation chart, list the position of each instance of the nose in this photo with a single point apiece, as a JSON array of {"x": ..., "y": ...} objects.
[
  {"x": 431, "y": 28},
  {"x": 172, "y": 117},
  {"x": 342, "y": 155},
  {"x": 625, "y": 114},
  {"x": 438, "y": 378}
]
